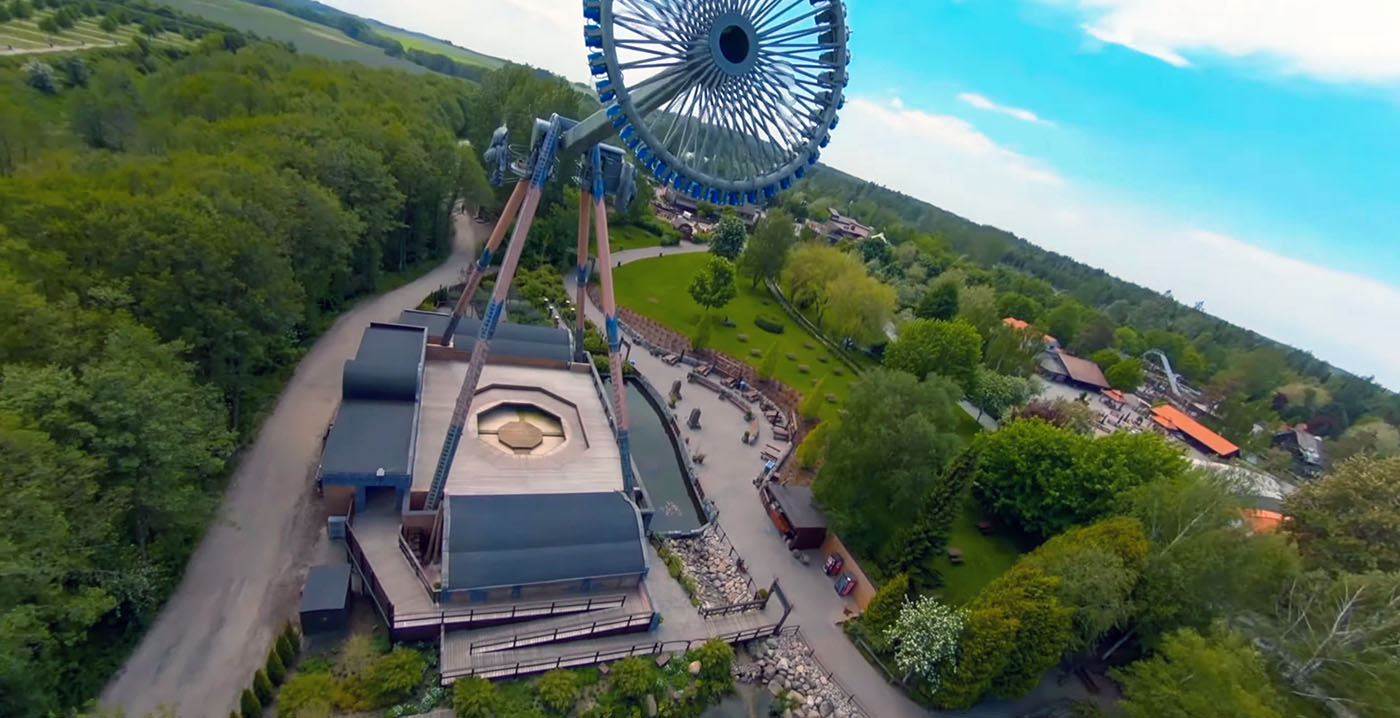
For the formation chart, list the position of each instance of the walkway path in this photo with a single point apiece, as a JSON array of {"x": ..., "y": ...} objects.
[
  {"x": 727, "y": 478},
  {"x": 244, "y": 580}
]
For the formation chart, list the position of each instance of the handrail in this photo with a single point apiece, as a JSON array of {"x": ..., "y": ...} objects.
[
  {"x": 371, "y": 581},
  {"x": 710, "y": 612},
  {"x": 417, "y": 567},
  {"x": 812, "y": 654},
  {"x": 519, "y": 609},
  {"x": 529, "y": 639},
  {"x": 585, "y": 659},
  {"x": 837, "y": 350}
]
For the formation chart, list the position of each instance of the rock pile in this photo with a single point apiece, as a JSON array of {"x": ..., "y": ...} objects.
[
  {"x": 717, "y": 576},
  {"x": 784, "y": 664}
]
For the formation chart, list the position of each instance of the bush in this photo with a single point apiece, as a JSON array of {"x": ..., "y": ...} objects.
[
  {"x": 803, "y": 368},
  {"x": 262, "y": 687},
  {"x": 249, "y": 705},
  {"x": 276, "y": 670},
  {"x": 633, "y": 678},
  {"x": 808, "y": 345},
  {"x": 837, "y": 371},
  {"x": 823, "y": 358},
  {"x": 473, "y": 697},
  {"x": 285, "y": 651},
  {"x": 768, "y": 324},
  {"x": 670, "y": 240},
  {"x": 755, "y": 353},
  {"x": 558, "y": 691},
  {"x": 393, "y": 677},
  {"x": 742, "y": 337},
  {"x": 791, "y": 356}
]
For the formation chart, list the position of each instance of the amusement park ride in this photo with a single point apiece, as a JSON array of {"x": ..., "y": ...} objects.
[{"x": 728, "y": 101}]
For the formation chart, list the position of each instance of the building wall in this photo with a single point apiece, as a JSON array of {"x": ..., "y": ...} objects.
[{"x": 545, "y": 591}]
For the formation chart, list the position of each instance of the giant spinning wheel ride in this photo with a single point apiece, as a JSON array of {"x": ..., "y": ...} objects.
[{"x": 728, "y": 101}]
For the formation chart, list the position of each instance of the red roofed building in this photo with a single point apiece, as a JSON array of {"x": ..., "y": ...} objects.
[
  {"x": 1021, "y": 325},
  {"x": 839, "y": 227},
  {"x": 1174, "y": 421},
  {"x": 1066, "y": 369}
]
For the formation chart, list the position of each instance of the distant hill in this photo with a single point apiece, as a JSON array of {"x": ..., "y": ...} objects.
[
  {"x": 307, "y": 36},
  {"x": 417, "y": 40}
]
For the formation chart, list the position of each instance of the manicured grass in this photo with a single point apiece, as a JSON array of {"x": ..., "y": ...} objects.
[
  {"x": 656, "y": 288},
  {"x": 629, "y": 237},
  {"x": 984, "y": 558},
  {"x": 307, "y": 36}
]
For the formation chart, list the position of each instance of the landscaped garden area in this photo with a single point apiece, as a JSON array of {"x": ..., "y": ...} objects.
[{"x": 657, "y": 288}]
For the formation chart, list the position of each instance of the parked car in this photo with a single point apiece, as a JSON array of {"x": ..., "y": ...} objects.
[
  {"x": 833, "y": 564},
  {"x": 845, "y": 585}
]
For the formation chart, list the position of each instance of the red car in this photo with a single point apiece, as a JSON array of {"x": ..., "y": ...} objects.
[
  {"x": 833, "y": 564},
  {"x": 845, "y": 585}
]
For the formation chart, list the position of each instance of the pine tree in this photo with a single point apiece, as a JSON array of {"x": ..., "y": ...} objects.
[
  {"x": 249, "y": 704},
  {"x": 262, "y": 686},
  {"x": 811, "y": 407},
  {"x": 276, "y": 669}
]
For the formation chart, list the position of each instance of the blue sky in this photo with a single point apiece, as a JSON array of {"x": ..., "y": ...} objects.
[{"x": 1242, "y": 153}]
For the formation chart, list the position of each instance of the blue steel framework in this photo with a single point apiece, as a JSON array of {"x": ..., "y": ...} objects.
[{"x": 729, "y": 100}]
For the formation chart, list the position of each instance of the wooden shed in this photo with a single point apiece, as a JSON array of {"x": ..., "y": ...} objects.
[
  {"x": 795, "y": 514},
  {"x": 325, "y": 601}
]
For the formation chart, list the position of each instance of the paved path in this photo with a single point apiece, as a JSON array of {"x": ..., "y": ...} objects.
[
  {"x": 11, "y": 50},
  {"x": 244, "y": 579},
  {"x": 727, "y": 478}
]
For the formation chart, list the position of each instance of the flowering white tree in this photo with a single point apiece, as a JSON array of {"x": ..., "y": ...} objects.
[{"x": 925, "y": 637}]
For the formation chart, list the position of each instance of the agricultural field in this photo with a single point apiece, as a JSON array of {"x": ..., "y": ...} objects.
[
  {"x": 415, "y": 41},
  {"x": 24, "y": 35},
  {"x": 307, "y": 36}
]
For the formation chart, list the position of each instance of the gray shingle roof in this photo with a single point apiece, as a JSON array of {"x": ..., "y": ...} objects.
[
  {"x": 327, "y": 588},
  {"x": 799, "y": 506},
  {"x": 523, "y": 539},
  {"x": 375, "y": 425},
  {"x": 519, "y": 340}
]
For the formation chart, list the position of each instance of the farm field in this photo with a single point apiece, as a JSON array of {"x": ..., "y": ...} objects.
[
  {"x": 412, "y": 40},
  {"x": 307, "y": 36},
  {"x": 17, "y": 34}
]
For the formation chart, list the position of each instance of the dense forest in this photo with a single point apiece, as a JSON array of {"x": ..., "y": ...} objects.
[
  {"x": 1249, "y": 378},
  {"x": 176, "y": 226}
]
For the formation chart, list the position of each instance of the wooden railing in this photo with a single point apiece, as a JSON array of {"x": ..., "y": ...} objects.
[
  {"x": 517, "y": 610},
  {"x": 417, "y": 567},
  {"x": 577, "y": 630},
  {"x": 362, "y": 567},
  {"x": 590, "y": 658}
]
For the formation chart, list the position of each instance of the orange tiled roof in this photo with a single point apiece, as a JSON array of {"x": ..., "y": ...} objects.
[
  {"x": 1262, "y": 521},
  {"x": 1015, "y": 323},
  {"x": 1172, "y": 418}
]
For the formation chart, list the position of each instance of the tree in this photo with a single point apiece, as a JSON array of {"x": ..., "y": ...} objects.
[
  {"x": 812, "y": 403},
  {"x": 925, "y": 637},
  {"x": 1350, "y": 519},
  {"x": 810, "y": 272},
  {"x": 894, "y": 439},
  {"x": 929, "y": 532},
  {"x": 632, "y": 678},
  {"x": 859, "y": 307},
  {"x": 1009, "y": 350},
  {"x": 1015, "y": 631},
  {"x": 107, "y": 115},
  {"x": 770, "y": 362},
  {"x": 1128, "y": 341},
  {"x": 1333, "y": 640},
  {"x": 1065, "y": 319},
  {"x": 558, "y": 691},
  {"x": 1047, "y": 479},
  {"x": 40, "y": 75},
  {"x": 1018, "y": 306},
  {"x": 977, "y": 306},
  {"x": 1214, "y": 676},
  {"x": 473, "y": 697},
  {"x": 262, "y": 687},
  {"x": 394, "y": 676},
  {"x": 729, "y": 237},
  {"x": 1064, "y": 413},
  {"x": 939, "y": 302},
  {"x": 994, "y": 393},
  {"x": 713, "y": 286},
  {"x": 75, "y": 71},
  {"x": 885, "y": 607},
  {"x": 109, "y": 23},
  {"x": 248, "y": 704},
  {"x": 928, "y": 346},
  {"x": 276, "y": 669},
  {"x": 1125, "y": 374},
  {"x": 767, "y": 250},
  {"x": 813, "y": 446}
]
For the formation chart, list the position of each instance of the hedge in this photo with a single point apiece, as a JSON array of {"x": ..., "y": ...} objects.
[{"x": 768, "y": 324}]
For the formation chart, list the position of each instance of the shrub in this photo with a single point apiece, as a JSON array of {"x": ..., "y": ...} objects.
[
  {"x": 670, "y": 240},
  {"x": 803, "y": 368},
  {"x": 315, "y": 664},
  {"x": 742, "y": 337},
  {"x": 808, "y": 345},
  {"x": 791, "y": 356},
  {"x": 473, "y": 697},
  {"x": 823, "y": 358},
  {"x": 558, "y": 690},
  {"x": 811, "y": 406},
  {"x": 755, "y": 353},
  {"x": 276, "y": 670},
  {"x": 837, "y": 371},
  {"x": 262, "y": 687},
  {"x": 633, "y": 678},
  {"x": 831, "y": 398},
  {"x": 768, "y": 324},
  {"x": 393, "y": 677},
  {"x": 249, "y": 705}
]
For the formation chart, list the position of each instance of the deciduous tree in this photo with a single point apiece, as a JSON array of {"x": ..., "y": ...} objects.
[
  {"x": 939, "y": 302},
  {"x": 928, "y": 346},
  {"x": 1350, "y": 519},
  {"x": 713, "y": 286},
  {"x": 729, "y": 237},
  {"x": 767, "y": 250},
  {"x": 1214, "y": 676},
  {"x": 925, "y": 639}
]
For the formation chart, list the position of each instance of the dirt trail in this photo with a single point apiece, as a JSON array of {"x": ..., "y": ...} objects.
[{"x": 244, "y": 579}]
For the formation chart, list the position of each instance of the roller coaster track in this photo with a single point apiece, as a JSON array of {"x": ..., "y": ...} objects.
[{"x": 1166, "y": 368}]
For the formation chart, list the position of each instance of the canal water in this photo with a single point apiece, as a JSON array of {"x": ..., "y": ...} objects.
[{"x": 660, "y": 465}]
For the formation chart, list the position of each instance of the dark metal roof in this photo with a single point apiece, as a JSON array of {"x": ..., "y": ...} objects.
[
  {"x": 327, "y": 588},
  {"x": 798, "y": 505},
  {"x": 523, "y": 539},
  {"x": 517, "y": 340},
  {"x": 375, "y": 425},
  {"x": 369, "y": 436}
]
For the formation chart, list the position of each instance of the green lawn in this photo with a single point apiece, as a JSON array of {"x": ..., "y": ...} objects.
[
  {"x": 630, "y": 237},
  {"x": 656, "y": 288},
  {"x": 984, "y": 558}
]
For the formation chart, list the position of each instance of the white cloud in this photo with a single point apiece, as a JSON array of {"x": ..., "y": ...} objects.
[
  {"x": 1335, "y": 40},
  {"x": 982, "y": 102},
  {"x": 897, "y": 103},
  {"x": 948, "y": 162}
]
